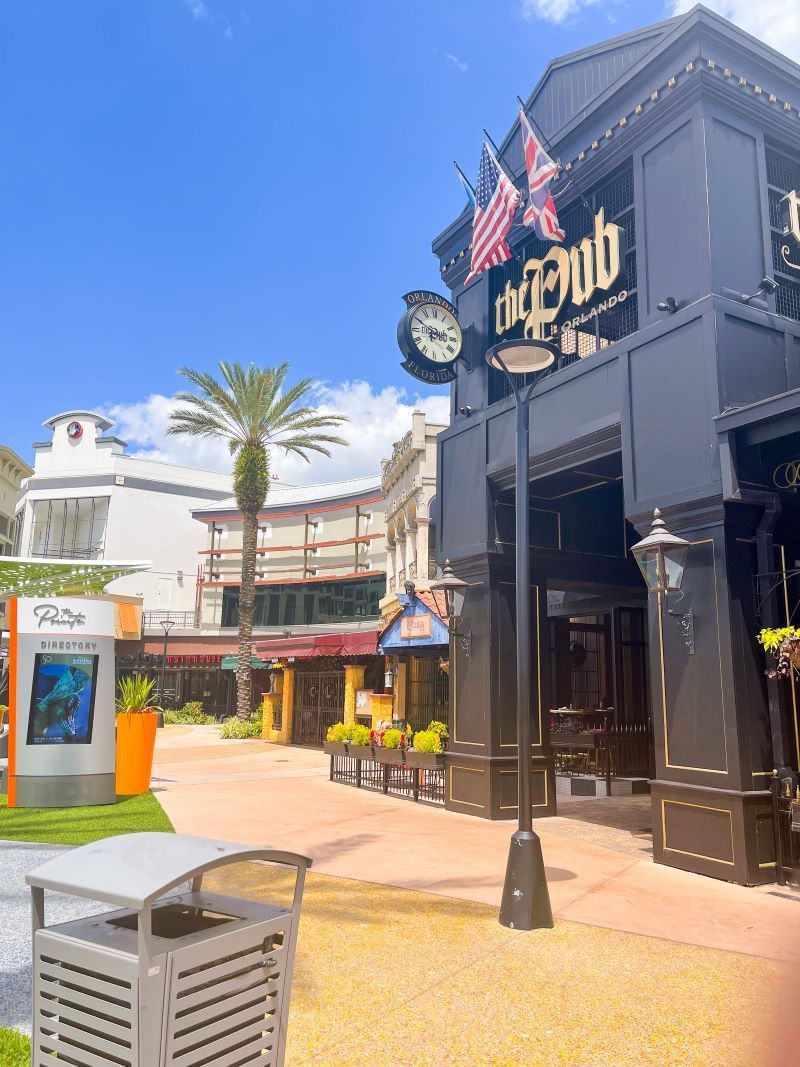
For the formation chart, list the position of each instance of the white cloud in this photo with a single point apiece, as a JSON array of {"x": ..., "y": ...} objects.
[
  {"x": 197, "y": 8},
  {"x": 550, "y": 10},
  {"x": 459, "y": 64},
  {"x": 776, "y": 22},
  {"x": 377, "y": 420}
]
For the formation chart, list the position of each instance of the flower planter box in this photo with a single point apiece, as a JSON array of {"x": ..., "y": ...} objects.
[
  {"x": 334, "y": 748},
  {"x": 427, "y": 760},
  {"x": 361, "y": 751},
  {"x": 389, "y": 755}
]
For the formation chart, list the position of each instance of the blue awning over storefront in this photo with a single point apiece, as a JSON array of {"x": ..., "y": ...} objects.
[{"x": 418, "y": 625}]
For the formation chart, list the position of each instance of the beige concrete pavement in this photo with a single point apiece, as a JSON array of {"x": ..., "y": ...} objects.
[{"x": 255, "y": 792}]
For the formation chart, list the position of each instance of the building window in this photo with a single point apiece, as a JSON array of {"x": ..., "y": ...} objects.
[
  {"x": 74, "y": 528},
  {"x": 615, "y": 196},
  {"x": 308, "y": 603},
  {"x": 783, "y": 175}
]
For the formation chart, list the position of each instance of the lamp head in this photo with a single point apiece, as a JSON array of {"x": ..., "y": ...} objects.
[
  {"x": 524, "y": 356},
  {"x": 454, "y": 589},
  {"x": 661, "y": 557}
]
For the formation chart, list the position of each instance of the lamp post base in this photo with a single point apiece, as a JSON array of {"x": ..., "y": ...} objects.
[{"x": 526, "y": 900}]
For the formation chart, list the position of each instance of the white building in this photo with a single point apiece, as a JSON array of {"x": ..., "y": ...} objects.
[
  {"x": 88, "y": 499},
  {"x": 408, "y": 479}
]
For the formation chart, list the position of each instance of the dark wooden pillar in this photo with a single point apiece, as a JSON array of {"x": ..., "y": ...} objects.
[
  {"x": 711, "y": 806},
  {"x": 482, "y": 752}
]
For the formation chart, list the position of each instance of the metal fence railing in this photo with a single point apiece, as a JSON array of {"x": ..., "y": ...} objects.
[
  {"x": 182, "y": 620},
  {"x": 421, "y": 784}
]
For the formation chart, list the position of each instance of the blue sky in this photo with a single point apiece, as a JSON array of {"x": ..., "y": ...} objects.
[{"x": 184, "y": 181}]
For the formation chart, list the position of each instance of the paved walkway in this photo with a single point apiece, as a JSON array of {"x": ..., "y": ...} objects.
[{"x": 259, "y": 793}]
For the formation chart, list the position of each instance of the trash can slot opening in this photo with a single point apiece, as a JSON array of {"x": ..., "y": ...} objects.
[{"x": 176, "y": 920}]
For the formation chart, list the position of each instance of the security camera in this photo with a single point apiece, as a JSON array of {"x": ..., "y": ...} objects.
[
  {"x": 767, "y": 287},
  {"x": 465, "y": 409},
  {"x": 670, "y": 305}
]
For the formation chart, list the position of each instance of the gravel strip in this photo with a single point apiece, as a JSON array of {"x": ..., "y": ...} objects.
[{"x": 15, "y": 944}]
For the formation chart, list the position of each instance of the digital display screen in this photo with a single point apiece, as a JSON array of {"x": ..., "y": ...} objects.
[{"x": 62, "y": 699}]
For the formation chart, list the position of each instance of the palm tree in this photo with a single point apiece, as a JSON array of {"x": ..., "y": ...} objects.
[{"x": 250, "y": 410}]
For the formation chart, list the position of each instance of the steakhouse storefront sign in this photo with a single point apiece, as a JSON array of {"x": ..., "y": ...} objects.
[{"x": 559, "y": 289}]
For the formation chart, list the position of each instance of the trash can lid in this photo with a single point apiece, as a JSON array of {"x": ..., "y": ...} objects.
[{"x": 132, "y": 870}]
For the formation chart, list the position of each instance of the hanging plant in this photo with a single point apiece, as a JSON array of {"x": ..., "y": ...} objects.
[{"x": 783, "y": 644}]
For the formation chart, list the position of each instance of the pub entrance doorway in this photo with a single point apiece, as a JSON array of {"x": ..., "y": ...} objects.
[{"x": 599, "y": 711}]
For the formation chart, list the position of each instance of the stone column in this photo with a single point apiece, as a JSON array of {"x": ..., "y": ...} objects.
[
  {"x": 422, "y": 552},
  {"x": 288, "y": 705},
  {"x": 353, "y": 680}
]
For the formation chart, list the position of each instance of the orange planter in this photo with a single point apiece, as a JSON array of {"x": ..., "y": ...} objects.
[{"x": 136, "y": 740}]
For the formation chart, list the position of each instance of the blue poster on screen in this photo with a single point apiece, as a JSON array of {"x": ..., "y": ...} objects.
[{"x": 62, "y": 699}]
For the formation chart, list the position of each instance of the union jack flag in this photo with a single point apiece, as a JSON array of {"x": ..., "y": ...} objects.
[
  {"x": 496, "y": 202},
  {"x": 540, "y": 211}
]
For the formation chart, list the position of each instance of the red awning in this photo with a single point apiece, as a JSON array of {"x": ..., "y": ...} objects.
[{"x": 358, "y": 643}]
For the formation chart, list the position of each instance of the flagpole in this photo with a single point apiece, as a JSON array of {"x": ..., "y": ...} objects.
[
  {"x": 497, "y": 151},
  {"x": 465, "y": 179},
  {"x": 570, "y": 181}
]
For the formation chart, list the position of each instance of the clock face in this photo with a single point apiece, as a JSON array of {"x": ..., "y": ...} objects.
[
  {"x": 74, "y": 431},
  {"x": 435, "y": 333}
]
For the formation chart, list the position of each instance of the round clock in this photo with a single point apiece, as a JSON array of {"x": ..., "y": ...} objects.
[
  {"x": 428, "y": 332},
  {"x": 74, "y": 431}
]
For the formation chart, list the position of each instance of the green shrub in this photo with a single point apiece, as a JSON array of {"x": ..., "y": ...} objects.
[
  {"x": 337, "y": 732},
  {"x": 427, "y": 741},
  {"x": 235, "y": 729},
  {"x": 439, "y": 728},
  {"x": 392, "y": 738},
  {"x": 359, "y": 734},
  {"x": 188, "y": 715}
]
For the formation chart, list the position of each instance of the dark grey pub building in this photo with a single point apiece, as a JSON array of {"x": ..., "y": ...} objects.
[{"x": 673, "y": 390}]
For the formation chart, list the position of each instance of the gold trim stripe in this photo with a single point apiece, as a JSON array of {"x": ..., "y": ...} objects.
[
  {"x": 697, "y": 855},
  {"x": 535, "y": 770},
  {"x": 471, "y": 770}
]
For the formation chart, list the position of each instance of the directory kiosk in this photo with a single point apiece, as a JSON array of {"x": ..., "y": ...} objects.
[{"x": 64, "y": 688}]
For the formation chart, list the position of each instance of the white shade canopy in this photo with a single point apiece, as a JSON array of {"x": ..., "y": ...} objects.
[{"x": 26, "y": 576}]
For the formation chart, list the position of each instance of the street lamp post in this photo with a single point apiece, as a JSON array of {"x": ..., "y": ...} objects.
[
  {"x": 526, "y": 900},
  {"x": 166, "y": 625}
]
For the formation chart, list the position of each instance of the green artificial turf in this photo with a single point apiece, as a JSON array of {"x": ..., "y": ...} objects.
[
  {"x": 77, "y": 826},
  {"x": 15, "y": 1048}
]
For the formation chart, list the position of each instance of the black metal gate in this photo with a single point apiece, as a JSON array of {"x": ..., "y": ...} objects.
[{"x": 318, "y": 704}]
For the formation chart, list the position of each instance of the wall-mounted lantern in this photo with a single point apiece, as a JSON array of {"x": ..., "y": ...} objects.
[
  {"x": 455, "y": 593},
  {"x": 661, "y": 557},
  {"x": 389, "y": 677}
]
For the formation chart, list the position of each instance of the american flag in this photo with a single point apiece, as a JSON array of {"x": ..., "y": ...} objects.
[
  {"x": 496, "y": 201},
  {"x": 540, "y": 211}
]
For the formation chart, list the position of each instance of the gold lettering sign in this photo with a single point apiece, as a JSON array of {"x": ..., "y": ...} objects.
[
  {"x": 791, "y": 228},
  {"x": 562, "y": 278}
]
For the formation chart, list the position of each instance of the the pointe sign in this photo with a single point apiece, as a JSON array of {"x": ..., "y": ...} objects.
[{"x": 566, "y": 287}]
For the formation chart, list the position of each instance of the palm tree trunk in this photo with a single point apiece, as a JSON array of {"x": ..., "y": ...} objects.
[{"x": 247, "y": 592}]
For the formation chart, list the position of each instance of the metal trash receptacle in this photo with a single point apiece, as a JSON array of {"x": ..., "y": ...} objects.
[{"x": 185, "y": 978}]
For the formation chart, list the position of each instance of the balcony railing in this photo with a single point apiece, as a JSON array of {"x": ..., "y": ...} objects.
[{"x": 182, "y": 620}]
